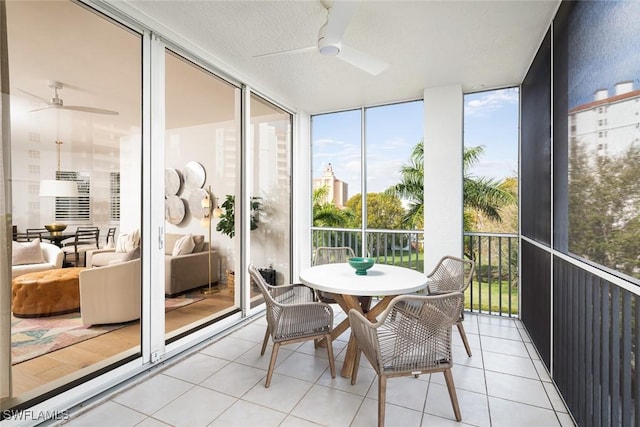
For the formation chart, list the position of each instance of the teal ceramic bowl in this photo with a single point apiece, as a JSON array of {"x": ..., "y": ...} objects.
[{"x": 361, "y": 265}]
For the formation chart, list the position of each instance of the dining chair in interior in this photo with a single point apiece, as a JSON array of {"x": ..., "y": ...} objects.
[
  {"x": 21, "y": 236},
  {"x": 411, "y": 337},
  {"x": 85, "y": 239},
  {"x": 293, "y": 316},
  {"x": 111, "y": 237},
  {"x": 36, "y": 233},
  {"x": 333, "y": 255},
  {"x": 452, "y": 274}
]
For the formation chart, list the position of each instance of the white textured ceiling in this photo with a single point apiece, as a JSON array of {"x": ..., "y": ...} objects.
[{"x": 479, "y": 44}]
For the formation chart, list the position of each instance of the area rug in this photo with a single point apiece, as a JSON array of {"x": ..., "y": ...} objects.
[
  {"x": 181, "y": 301},
  {"x": 37, "y": 336}
]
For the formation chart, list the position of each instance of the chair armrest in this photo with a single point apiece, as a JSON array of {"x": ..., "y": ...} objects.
[
  {"x": 52, "y": 254},
  {"x": 302, "y": 318},
  {"x": 296, "y": 293},
  {"x": 89, "y": 254}
]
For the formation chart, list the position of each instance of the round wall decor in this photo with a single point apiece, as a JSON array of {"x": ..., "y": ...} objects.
[
  {"x": 172, "y": 181},
  {"x": 194, "y": 175},
  {"x": 195, "y": 203},
  {"x": 174, "y": 209}
]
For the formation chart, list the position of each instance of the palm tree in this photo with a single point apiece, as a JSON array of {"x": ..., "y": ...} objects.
[
  {"x": 327, "y": 214},
  {"x": 411, "y": 188},
  {"x": 480, "y": 194}
]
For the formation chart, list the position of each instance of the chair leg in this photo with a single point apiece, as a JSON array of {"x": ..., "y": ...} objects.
[
  {"x": 332, "y": 363},
  {"x": 264, "y": 342},
  {"x": 356, "y": 363},
  {"x": 272, "y": 363},
  {"x": 452, "y": 394},
  {"x": 382, "y": 393},
  {"x": 463, "y": 335}
]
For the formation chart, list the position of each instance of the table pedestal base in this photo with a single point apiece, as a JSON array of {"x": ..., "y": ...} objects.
[{"x": 348, "y": 302}]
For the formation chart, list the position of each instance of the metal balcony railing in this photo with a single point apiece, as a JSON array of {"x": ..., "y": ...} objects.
[{"x": 494, "y": 287}]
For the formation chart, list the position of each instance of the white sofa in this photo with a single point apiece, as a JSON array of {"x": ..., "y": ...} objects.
[
  {"x": 182, "y": 272},
  {"x": 52, "y": 255},
  {"x": 111, "y": 294}
]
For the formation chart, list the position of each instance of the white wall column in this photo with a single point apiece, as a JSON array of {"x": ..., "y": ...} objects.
[
  {"x": 301, "y": 188},
  {"x": 443, "y": 150}
]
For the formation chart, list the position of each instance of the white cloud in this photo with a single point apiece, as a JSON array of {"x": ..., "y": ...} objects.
[{"x": 491, "y": 101}]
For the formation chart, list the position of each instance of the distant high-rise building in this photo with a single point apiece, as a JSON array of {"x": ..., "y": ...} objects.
[
  {"x": 337, "y": 190},
  {"x": 610, "y": 123}
]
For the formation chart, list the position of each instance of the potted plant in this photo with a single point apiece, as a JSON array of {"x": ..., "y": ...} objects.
[{"x": 227, "y": 224}]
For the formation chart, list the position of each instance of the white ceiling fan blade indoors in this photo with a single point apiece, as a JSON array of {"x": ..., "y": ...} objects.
[
  {"x": 91, "y": 110},
  {"x": 361, "y": 60},
  {"x": 287, "y": 52},
  {"x": 39, "y": 98}
]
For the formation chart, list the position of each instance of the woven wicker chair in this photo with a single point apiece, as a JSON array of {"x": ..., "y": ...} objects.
[
  {"x": 293, "y": 317},
  {"x": 452, "y": 274},
  {"x": 411, "y": 337}
]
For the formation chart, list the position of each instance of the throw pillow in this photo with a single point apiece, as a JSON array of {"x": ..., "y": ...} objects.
[
  {"x": 128, "y": 242},
  {"x": 130, "y": 256},
  {"x": 198, "y": 241},
  {"x": 184, "y": 245},
  {"x": 26, "y": 253}
]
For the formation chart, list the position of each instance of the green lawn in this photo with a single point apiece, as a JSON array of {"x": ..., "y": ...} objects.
[
  {"x": 478, "y": 297},
  {"x": 480, "y": 300}
]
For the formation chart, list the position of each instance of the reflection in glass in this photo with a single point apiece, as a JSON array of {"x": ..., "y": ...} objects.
[
  {"x": 270, "y": 191},
  {"x": 202, "y": 141},
  {"x": 100, "y": 149}
]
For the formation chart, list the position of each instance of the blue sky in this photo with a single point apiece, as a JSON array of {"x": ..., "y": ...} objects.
[
  {"x": 603, "y": 48},
  {"x": 491, "y": 119}
]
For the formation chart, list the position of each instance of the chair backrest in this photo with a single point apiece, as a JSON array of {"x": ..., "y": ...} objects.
[
  {"x": 36, "y": 233},
  {"x": 111, "y": 234},
  {"x": 332, "y": 255},
  {"x": 273, "y": 308},
  {"x": 450, "y": 274},
  {"x": 87, "y": 236},
  {"x": 413, "y": 333}
]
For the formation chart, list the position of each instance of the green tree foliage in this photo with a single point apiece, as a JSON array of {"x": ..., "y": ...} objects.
[
  {"x": 384, "y": 211},
  {"x": 327, "y": 214},
  {"x": 604, "y": 207},
  {"x": 411, "y": 188},
  {"x": 482, "y": 195}
]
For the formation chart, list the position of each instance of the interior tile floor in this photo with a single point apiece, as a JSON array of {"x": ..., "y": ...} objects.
[{"x": 504, "y": 383}]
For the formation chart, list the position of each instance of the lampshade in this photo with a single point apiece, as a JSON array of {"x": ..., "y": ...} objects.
[{"x": 57, "y": 188}]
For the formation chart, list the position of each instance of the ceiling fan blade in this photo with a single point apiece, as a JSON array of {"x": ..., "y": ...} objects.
[
  {"x": 38, "y": 109},
  {"x": 340, "y": 14},
  {"x": 90, "y": 110},
  {"x": 46, "y": 101},
  {"x": 288, "y": 52},
  {"x": 364, "y": 61}
]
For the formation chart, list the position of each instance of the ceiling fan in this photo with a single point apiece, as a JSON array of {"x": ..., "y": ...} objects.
[
  {"x": 56, "y": 101},
  {"x": 339, "y": 13}
]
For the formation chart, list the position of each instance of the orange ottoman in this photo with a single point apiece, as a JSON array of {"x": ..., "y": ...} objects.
[{"x": 46, "y": 293}]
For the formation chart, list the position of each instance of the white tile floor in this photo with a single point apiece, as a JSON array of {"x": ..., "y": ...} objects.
[{"x": 503, "y": 384}]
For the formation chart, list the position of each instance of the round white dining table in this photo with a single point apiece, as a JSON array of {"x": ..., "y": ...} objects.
[
  {"x": 380, "y": 280},
  {"x": 341, "y": 280}
]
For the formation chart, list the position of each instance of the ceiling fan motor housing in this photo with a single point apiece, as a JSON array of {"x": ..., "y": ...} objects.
[{"x": 326, "y": 46}]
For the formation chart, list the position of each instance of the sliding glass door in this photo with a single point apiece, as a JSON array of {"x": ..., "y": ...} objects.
[{"x": 76, "y": 86}]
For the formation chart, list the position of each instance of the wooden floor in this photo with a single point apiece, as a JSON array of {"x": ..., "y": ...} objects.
[{"x": 61, "y": 366}]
